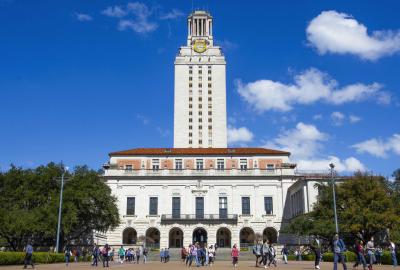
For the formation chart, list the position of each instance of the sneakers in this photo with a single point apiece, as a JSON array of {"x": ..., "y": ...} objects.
[{"x": 317, "y": 267}]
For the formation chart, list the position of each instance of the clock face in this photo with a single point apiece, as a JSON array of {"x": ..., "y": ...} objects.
[{"x": 200, "y": 46}]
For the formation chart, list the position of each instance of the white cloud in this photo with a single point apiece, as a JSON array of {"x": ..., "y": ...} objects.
[
  {"x": 226, "y": 45},
  {"x": 305, "y": 142},
  {"x": 241, "y": 134},
  {"x": 354, "y": 119},
  {"x": 337, "y": 118},
  {"x": 309, "y": 87},
  {"x": 135, "y": 16},
  {"x": 317, "y": 117},
  {"x": 378, "y": 147},
  {"x": 350, "y": 164},
  {"x": 116, "y": 11},
  {"x": 334, "y": 32},
  {"x": 143, "y": 119},
  {"x": 83, "y": 17},
  {"x": 173, "y": 14}
]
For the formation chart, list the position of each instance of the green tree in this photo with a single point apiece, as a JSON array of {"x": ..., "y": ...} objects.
[
  {"x": 29, "y": 205},
  {"x": 365, "y": 206}
]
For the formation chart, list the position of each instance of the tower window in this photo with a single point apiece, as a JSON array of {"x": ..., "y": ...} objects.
[
  {"x": 209, "y": 78},
  {"x": 190, "y": 71},
  {"x": 190, "y": 112},
  {"x": 200, "y": 85},
  {"x": 200, "y": 99},
  {"x": 209, "y": 92},
  {"x": 210, "y": 113},
  {"x": 200, "y": 113},
  {"x": 200, "y": 71},
  {"x": 200, "y": 106},
  {"x": 190, "y": 120},
  {"x": 209, "y": 71},
  {"x": 190, "y": 99},
  {"x": 190, "y": 106},
  {"x": 209, "y": 120},
  {"x": 190, "y": 127},
  {"x": 200, "y": 127},
  {"x": 190, "y": 78},
  {"x": 209, "y": 85},
  {"x": 210, "y": 127},
  {"x": 190, "y": 85}
]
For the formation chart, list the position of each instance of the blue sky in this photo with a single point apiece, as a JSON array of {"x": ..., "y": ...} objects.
[{"x": 79, "y": 79}]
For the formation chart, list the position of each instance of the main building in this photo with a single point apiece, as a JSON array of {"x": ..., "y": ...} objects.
[{"x": 200, "y": 190}]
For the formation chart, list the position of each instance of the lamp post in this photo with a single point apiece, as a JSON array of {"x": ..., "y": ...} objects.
[
  {"x": 332, "y": 166},
  {"x": 60, "y": 209}
]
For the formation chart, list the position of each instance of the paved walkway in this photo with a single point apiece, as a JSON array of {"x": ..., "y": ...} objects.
[{"x": 222, "y": 265}]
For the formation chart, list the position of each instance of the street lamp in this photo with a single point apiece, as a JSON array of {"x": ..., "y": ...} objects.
[
  {"x": 332, "y": 166},
  {"x": 60, "y": 209}
]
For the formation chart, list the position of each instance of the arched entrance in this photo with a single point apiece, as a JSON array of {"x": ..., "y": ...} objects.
[
  {"x": 153, "y": 238},
  {"x": 270, "y": 234},
  {"x": 247, "y": 237},
  {"x": 224, "y": 238},
  {"x": 175, "y": 238},
  {"x": 200, "y": 236},
  {"x": 129, "y": 236}
]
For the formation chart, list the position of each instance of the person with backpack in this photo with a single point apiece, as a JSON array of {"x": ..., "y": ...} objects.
[
  {"x": 104, "y": 253},
  {"x": 145, "y": 252},
  {"x": 265, "y": 253},
  {"x": 257, "y": 252},
  {"x": 67, "y": 255},
  {"x": 285, "y": 253},
  {"x": 211, "y": 255},
  {"x": 235, "y": 255},
  {"x": 272, "y": 255},
  {"x": 360, "y": 258},
  {"x": 338, "y": 250},
  {"x": 95, "y": 254},
  {"x": 316, "y": 246}
]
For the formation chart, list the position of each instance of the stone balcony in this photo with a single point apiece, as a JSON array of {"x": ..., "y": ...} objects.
[
  {"x": 114, "y": 172},
  {"x": 204, "y": 219}
]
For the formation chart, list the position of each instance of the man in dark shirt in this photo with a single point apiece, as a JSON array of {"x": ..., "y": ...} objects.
[{"x": 28, "y": 256}]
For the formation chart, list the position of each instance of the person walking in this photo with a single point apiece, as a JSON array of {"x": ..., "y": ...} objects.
[
  {"x": 211, "y": 255},
  {"x": 338, "y": 249},
  {"x": 145, "y": 252},
  {"x": 162, "y": 255},
  {"x": 265, "y": 253},
  {"x": 371, "y": 252},
  {"x": 104, "y": 253},
  {"x": 257, "y": 252},
  {"x": 184, "y": 254},
  {"x": 121, "y": 254},
  {"x": 95, "y": 254},
  {"x": 378, "y": 255},
  {"x": 272, "y": 255},
  {"x": 166, "y": 255},
  {"x": 235, "y": 256},
  {"x": 28, "y": 256},
  {"x": 285, "y": 253},
  {"x": 360, "y": 258},
  {"x": 392, "y": 249},
  {"x": 316, "y": 248},
  {"x": 67, "y": 255},
  {"x": 138, "y": 254}
]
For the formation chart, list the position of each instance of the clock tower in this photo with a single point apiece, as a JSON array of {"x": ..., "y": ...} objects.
[{"x": 200, "y": 88}]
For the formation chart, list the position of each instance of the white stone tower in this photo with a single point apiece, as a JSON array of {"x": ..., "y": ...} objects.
[{"x": 200, "y": 88}]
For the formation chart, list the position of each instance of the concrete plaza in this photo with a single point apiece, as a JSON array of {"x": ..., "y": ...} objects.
[{"x": 174, "y": 265}]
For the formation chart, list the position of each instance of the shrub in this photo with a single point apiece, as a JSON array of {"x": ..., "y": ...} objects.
[{"x": 12, "y": 258}]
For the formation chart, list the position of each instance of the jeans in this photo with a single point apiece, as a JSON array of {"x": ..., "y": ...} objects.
[
  {"x": 265, "y": 258},
  {"x": 317, "y": 257},
  {"x": 285, "y": 258},
  {"x": 28, "y": 260},
  {"x": 394, "y": 259},
  {"x": 67, "y": 257},
  {"x": 105, "y": 260},
  {"x": 360, "y": 260},
  {"x": 371, "y": 257},
  {"x": 95, "y": 259},
  {"x": 144, "y": 258},
  {"x": 339, "y": 257}
]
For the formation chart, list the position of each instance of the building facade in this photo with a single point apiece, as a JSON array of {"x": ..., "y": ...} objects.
[{"x": 200, "y": 190}]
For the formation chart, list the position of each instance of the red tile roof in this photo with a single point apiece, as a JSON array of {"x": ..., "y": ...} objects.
[{"x": 199, "y": 152}]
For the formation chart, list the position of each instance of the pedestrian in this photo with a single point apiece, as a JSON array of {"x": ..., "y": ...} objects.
[
  {"x": 77, "y": 254},
  {"x": 272, "y": 255},
  {"x": 95, "y": 254},
  {"x": 378, "y": 255},
  {"x": 285, "y": 253},
  {"x": 184, "y": 254},
  {"x": 235, "y": 255},
  {"x": 371, "y": 253},
  {"x": 162, "y": 255},
  {"x": 104, "y": 253},
  {"x": 392, "y": 249},
  {"x": 145, "y": 255},
  {"x": 137, "y": 255},
  {"x": 265, "y": 253},
  {"x": 67, "y": 255},
  {"x": 338, "y": 249},
  {"x": 166, "y": 255},
  {"x": 28, "y": 256},
  {"x": 121, "y": 254},
  {"x": 199, "y": 255},
  {"x": 211, "y": 255},
  {"x": 190, "y": 257},
  {"x": 257, "y": 252},
  {"x": 360, "y": 258},
  {"x": 316, "y": 248}
]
